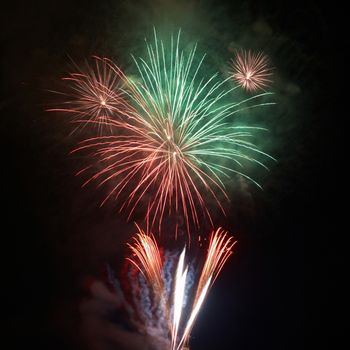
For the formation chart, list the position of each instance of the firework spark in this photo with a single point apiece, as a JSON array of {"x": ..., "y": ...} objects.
[
  {"x": 175, "y": 306},
  {"x": 251, "y": 70},
  {"x": 94, "y": 93},
  {"x": 147, "y": 253},
  {"x": 179, "y": 141}
]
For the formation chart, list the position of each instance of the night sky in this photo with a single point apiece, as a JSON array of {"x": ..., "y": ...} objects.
[{"x": 273, "y": 292}]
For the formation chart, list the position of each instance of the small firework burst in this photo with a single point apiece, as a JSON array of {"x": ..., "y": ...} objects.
[
  {"x": 251, "y": 70},
  {"x": 94, "y": 92}
]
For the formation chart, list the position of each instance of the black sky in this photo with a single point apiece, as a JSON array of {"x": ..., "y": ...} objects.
[{"x": 274, "y": 291}]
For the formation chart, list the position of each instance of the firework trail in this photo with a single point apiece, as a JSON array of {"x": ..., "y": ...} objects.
[
  {"x": 169, "y": 312},
  {"x": 94, "y": 93},
  {"x": 178, "y": 142},
  {"x": 146, "y": 250},
  {"x": 250, "y": 70}
]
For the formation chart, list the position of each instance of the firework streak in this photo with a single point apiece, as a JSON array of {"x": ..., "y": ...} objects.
[{"x": 166, "y": 295}]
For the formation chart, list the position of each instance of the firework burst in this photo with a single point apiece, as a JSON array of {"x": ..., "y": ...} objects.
[
  {"x": 251, "y": 70},
  {"x": 170, "y": 311},
  {"x": 94, "y": 93},
  {"x": 178, "y": 142}
]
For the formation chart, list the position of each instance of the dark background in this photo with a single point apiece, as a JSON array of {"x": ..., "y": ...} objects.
[{"x": 273, "y": 293}]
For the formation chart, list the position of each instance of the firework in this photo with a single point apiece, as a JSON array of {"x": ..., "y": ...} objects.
[
  {"x": 170, "y": 311},
  {"x": 250, "y": 70},
  {"x": 146, "y": 250},
  {"x": 178, "y": 142},
  {"x": 94, "y": 93}
]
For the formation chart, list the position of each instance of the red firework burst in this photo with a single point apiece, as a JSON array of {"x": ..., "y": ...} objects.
[
  {"x": 251, "y": 70},
  {"x": 95, "y": 92},
  {"x": 145, "y": 160}
]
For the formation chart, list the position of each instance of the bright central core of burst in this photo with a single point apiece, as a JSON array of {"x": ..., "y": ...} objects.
[
  {"x": 103, "y": 100},
  {"x": 248, "y": 75},
  {"x": 171, "y": 146}
]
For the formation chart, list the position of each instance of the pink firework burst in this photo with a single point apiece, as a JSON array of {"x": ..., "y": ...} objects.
[
  {"x": 94, "y": 93},
  {"x": 251, "y": 70}
]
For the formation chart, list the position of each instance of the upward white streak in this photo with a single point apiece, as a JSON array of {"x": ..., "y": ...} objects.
[
  {"x": 179, "y": 293},
  {"x": 194, "y": 312}
]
